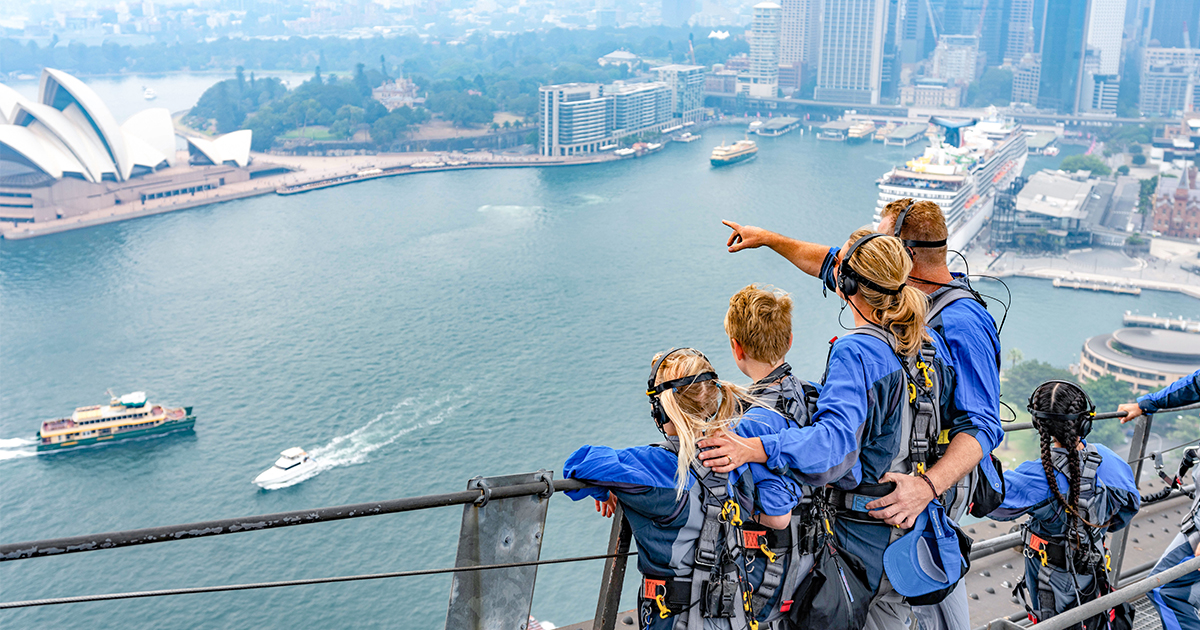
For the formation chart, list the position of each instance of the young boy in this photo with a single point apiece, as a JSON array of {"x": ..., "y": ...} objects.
[{"x": 759, "y": 325}]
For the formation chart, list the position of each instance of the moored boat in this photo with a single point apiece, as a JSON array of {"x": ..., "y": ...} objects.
[
  {"x": 731, "y": 154},
  {"x": 125, "y": 417}
]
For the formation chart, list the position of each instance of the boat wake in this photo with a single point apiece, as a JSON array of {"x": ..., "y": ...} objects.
[
  {"x": 17, "y": 448},
  {"x": 355, "y": 447}
]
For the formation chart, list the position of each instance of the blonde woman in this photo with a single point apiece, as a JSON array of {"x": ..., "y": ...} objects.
[
  {"x": 665, "y": 501},
  {"x": 855, "y": 441}
]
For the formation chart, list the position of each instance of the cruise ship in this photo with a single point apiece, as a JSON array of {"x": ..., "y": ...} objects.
[
  {"x": 734, "y": 153},
  {"x": 124, "y": 417},
  {"x": 964, "y": 179}
]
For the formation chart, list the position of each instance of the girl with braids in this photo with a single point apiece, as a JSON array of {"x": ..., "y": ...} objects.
[
  {"x": 662, "y": 495},
  {"x": 1074, "y": 495},
  {"x": 854, "y": 443}
]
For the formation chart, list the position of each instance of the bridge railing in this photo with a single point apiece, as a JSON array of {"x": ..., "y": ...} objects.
[{"x": 500, "y": 547}]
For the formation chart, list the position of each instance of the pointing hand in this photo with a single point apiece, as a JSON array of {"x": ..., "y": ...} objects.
[{"x": 745, "y": 237}]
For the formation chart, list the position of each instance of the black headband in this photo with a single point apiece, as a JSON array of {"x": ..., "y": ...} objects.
[
  {"x": 899, "y": 225},
  {"x": 863, "y": 280},
  {"x": 681, "y": 382}
]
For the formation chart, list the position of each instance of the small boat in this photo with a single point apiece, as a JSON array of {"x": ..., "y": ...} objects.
[
  {"x": 731, "y": 154},
  {"x": 294, "y": 465},
  {"x": 149, "y": 94},
  {"x": 124, "y": 417}
]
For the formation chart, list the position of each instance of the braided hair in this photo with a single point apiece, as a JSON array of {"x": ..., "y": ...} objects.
[{"x": 1062, "y": 398}]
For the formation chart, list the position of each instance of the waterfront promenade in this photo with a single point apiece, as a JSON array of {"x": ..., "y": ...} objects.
[{"x": 304, "y": 172}]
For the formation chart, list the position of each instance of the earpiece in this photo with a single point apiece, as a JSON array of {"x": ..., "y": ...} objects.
[
  {"x": 849, "y": 279},
  {"x": 1083, "y": 420},
  {"x": 653, "y": 391}
]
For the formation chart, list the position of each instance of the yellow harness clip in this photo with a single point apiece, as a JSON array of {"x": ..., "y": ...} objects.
[
  {"x": 768, "y": 553},
  {"x": 828, "y": 529},
  {"x": 912, "y": 392},
  {"x": 924, "y": 367},
  {"x": 1042, "y": 554},
  {"x": 1108, "y": 563},
  {"x": 732, "y": 513},
  {"x": 663, "y": 611}
]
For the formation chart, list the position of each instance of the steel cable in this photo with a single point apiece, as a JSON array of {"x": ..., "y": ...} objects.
[{"x": 327, "y": 580}]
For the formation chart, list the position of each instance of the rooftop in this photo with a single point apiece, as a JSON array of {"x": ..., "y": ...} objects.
[
  {"x": 1157, "y": 344},
  {"x": 1055, "y": 194}
]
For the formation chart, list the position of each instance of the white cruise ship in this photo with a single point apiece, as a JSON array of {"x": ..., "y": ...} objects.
[{"x": 963, "y": 180}]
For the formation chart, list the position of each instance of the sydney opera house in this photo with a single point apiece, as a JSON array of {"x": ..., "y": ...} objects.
[{"x": 65, "y": 155}]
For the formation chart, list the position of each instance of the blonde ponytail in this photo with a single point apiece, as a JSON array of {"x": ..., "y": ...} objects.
[
  {"x": 699, "y": 410},
  {"x": 883, "y": 261}
]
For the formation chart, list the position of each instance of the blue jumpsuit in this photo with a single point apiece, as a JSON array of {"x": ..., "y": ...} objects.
[
  {"x": 1114, "y": 502},
  {"x": 856, "y": 435},
  {"x": 1178, "y": 602},
  {"x": 969, "y": 332},
  {"x": 666, "y": 529}
]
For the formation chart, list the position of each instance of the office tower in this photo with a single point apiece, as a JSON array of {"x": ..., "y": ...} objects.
[
  {"x": 798, "y": 35},
  {"x": 677, "y": 12},
  {"x": 686, "y": 84},
  {"x": 1027, "y": 78},
  {"x": 1020, "y": 30},
  {"x": 956, "y": 58},
  {"x": 851, "y": 60},
  {"x": 993, "y": 36},
  {"x": 1063, "y": 46},
  {"x": 914, "y": 30},
  {"x": 1175, "y": 24},
  {"x": 962, "y": 17},
  {"x": 1170, "y": 81},
  {"x": 1106, "y": 20},
  {"x": 763, "y": 78}
]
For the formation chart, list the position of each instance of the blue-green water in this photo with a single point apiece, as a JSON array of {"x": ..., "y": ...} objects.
[{"x": 413, "y": 332}]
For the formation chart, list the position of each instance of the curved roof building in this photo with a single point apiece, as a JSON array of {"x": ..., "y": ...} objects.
[
  {"x": 70, "y": 133},
  {"x": 1146, "y": 358}
]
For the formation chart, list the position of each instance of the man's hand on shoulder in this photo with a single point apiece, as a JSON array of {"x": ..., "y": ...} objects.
[{"x": 746, "y": 237}]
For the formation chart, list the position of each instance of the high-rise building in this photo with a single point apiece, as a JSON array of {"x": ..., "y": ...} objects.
[
  {"x": 1063, "y": 47},
  {"x": 1170, "y": 81},
  {"x": 852, "y": 36},
  {"x": 1105, "y": 23},
  {"x": 993, "y": 36},
  {"x": 1027, "y": 78},
  {"x": 914, "y": 31},
  {"x": 962, "y": 17},
  {"x": 799, "y": 39},
  {"x": 1019, "y": 22},
  {"x": 762, "y": 80},
  {"x": 1175, "y": 24},
  {"x": 639, "y": 107},
  {"x": 677, "y": 12},
  {"x": 575, "y": 118},
  {"x": 956, "y": 58},
  {"x": 686, "y": 86}
]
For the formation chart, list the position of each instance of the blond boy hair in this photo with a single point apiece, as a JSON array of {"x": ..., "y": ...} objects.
[{"x": 760, "y": 320}]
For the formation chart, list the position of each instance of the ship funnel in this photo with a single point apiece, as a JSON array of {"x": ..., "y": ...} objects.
[{"x": 952, "y": 127}]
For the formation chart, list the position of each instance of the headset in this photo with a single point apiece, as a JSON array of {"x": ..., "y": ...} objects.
[
  {"x": 1083, "y": 419},
  {"x": 849, "y": 278},
  {"x": 910, "y": 243},
  {"x": 653, "y": 391}
]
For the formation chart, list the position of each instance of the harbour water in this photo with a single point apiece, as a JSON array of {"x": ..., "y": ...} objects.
[{"x": 411, "y": 333}]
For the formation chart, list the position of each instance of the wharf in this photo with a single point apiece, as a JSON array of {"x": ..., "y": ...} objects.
[
  {"x": 778, "y": 126},
  {"x": 835, "y": 131},
  {"x": 1106, "y": 287},
  {"x": 905, "y": 135}
]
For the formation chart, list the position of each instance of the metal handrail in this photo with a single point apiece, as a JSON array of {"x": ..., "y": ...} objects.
[
  {"x": 1108, "y": 415},
  {"x": 1107, "y": 602},
  {"x": 202, "y": 529}
]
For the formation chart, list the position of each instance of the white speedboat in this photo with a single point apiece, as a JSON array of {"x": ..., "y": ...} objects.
[
  {"x": 293, "y": 466},
  {"x": 149, "y": 94}
]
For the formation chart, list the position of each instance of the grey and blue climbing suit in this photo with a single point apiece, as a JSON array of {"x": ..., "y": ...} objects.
[
  {"x": 1060, "y": 575},
  {"x": 670, "y": 531}
]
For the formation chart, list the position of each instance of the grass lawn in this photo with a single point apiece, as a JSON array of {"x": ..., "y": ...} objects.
[{"x": 314, "y": 132}]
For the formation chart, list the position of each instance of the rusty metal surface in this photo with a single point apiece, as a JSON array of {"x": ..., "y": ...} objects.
[{"x": 495, "y": 531}]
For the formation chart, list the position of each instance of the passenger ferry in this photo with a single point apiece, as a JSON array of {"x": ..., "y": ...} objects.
[
  {"x": 732, "y": 154},
  {"x": 124, "y": 417},
  {"x": 963, "y": 180}
]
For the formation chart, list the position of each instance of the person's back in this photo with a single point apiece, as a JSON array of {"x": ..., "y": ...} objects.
[
  {"x": 1066, "y": 552},
  {"x": 665, "y": 493}
]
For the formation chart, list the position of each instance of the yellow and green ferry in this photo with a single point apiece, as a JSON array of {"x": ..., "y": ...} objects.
[{"x": 125, "y": 417}]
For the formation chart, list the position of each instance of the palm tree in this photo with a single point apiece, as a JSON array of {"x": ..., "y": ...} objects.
[{"x": 1015, "y": 356}]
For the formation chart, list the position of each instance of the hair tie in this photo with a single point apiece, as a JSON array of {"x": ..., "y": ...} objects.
[{"x": 901, "y": 287}]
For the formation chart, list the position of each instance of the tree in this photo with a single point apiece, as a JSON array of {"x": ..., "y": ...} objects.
[
  {"x": 1015, "y": 356},
  {"x": 1107, "y": 393},
  {"x": 993, "y": 88},
  {"x": 1123, "y": 169},
  {"x": 1019, "y": 382},
  {"x": 1086, "y": 163},
  {"x": 1139, "y": 159},
  {"x": 1146, "y": 195}
]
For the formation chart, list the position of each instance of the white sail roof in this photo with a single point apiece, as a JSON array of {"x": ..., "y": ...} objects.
[
  {"x": 41, "y": 154},
  {"x": 231, "y": 148},
  {"x": 154, "y": 128},
  {"x": 56, "y": 128},
  {"x": 63, "y": 92}
]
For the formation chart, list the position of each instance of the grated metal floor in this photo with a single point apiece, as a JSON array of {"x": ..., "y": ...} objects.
[{"x": 1146, "y": 617}]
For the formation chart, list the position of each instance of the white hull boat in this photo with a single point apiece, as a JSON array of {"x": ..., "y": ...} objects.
[{"x": 293, "y": 466}]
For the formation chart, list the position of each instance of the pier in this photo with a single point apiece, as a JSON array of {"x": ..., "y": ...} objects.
[{"x": 1085, "y": 285}]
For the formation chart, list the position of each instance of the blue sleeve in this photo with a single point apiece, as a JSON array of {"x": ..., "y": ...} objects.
[
  {"x": 631, "y": 470},
  {"x": 775, "y": 495},
  {"x": 828, "y": 449},
  {"x": 970, "y": 336},
  {"x": 1025, "y": 488},
  {"x": 759, "y": 421},
  {"x": 828, "y": 269},
  {"x": 1185, "y": 391}
]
